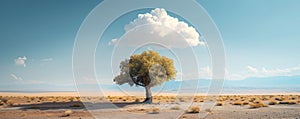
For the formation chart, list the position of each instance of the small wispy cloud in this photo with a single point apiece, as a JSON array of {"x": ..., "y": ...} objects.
[
  {"x": 248, "y": 72},
  {"x": 21, "y": 61},
  {"x": 47, "y": 59},
  {"x": 113, "y": 42},
  {"x": 264, "y": 72},
  {"x": 16, "y": 77},
  {"x": 252, "y": 69}
]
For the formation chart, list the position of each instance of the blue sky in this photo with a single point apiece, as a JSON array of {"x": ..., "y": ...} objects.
[{"x": 260, "y": 38}]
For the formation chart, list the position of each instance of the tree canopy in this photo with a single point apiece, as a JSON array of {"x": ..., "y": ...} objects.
[{"x": 146, "y": 69}]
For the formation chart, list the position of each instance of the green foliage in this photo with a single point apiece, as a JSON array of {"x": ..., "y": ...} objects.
[{"x": 147, "y": 69}]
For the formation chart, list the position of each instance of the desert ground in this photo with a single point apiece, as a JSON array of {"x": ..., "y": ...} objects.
[{"x": 70, "y": 106}]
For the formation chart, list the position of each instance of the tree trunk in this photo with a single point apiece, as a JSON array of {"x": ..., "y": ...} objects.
[{"x": 148, "y": 95}]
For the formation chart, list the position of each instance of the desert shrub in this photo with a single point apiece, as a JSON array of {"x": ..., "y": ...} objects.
[
  {"x": 175, "y": 108},
  {"x": 193, "y": 109},
  {"x": 219, "y": 104},
  {"x": 257, "y": 104},
  {"x": 245, "y": 102},
  {"x": 35, "y": 107},
  {"x": 182, "y": 100},
  {"x": 291, "y": 102},
  {"x": 273, "y": 102},
  {"x": 67, "y": 113},
  {"x": 278, "y": 99},
  {"x": 76, "y": 105},
  {"x": 23, "y": 114},
  {"x": 137, "y": 100},
  {"x": 3, "y": 100},
  {"x": 10, "y": 102},
  {"x": 141, "y": 109},
  {"x": 237, "y": 103},
  {"x": 154, "y": 111},
  {"x": 40, "y": 98},
  {"x": 208, "y": 110},
  {"x": 72, "y": 99}
]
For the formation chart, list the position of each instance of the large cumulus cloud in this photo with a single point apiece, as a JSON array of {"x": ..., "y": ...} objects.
[{"x": 158, "y": 26}]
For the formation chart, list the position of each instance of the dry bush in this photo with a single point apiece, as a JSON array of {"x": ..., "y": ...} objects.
[
  {"x": 136, "y": 110},
  {"x": 23, "y": 114},
  {"x": 76, "y": 105},
  {"x": 237, "y": 103},
  {"x": 219, "y": 103},
  {"x": 291, "y": 102},
  {"x": 35, "y": 107},
  {"x": 175, "y": 108},
  {"x": 193, "y": 109},
  {"x": 257, "y": 104},
  {"x": 137, "y": 100},
  {"x": 278, "y": 98},
  {"x": 273, "y": 102},
  {"x": 154, "y": 110},
  {"x": 67, "y": 113},
  {"x": 181, "y": 99},
  {"x": 10, "y": 102},
  {"x": 245, "y": 102},
  {"x": 208, "y": 110},
  {"x": 3, "y": 100}
]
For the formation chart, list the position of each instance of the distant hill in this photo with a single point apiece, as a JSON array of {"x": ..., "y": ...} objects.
[
  {"x": 279, "y": 81},
  {"x": 253, "y": 84}
]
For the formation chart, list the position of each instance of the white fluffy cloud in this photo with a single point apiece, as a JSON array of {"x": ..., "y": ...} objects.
[
  {"x": 157, "y": 26},
  {"x": 16, "y": 77},
  {"x": 21, "y": 61}
]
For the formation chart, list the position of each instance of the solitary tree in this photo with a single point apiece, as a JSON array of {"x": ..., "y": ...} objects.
[{"x": 147, "y": 69}]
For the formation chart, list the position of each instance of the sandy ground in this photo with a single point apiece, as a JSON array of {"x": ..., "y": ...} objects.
[{"x": 22, "y": 106}]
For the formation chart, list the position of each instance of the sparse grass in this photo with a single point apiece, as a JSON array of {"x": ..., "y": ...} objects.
[{"x": 193, "y": 109}]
